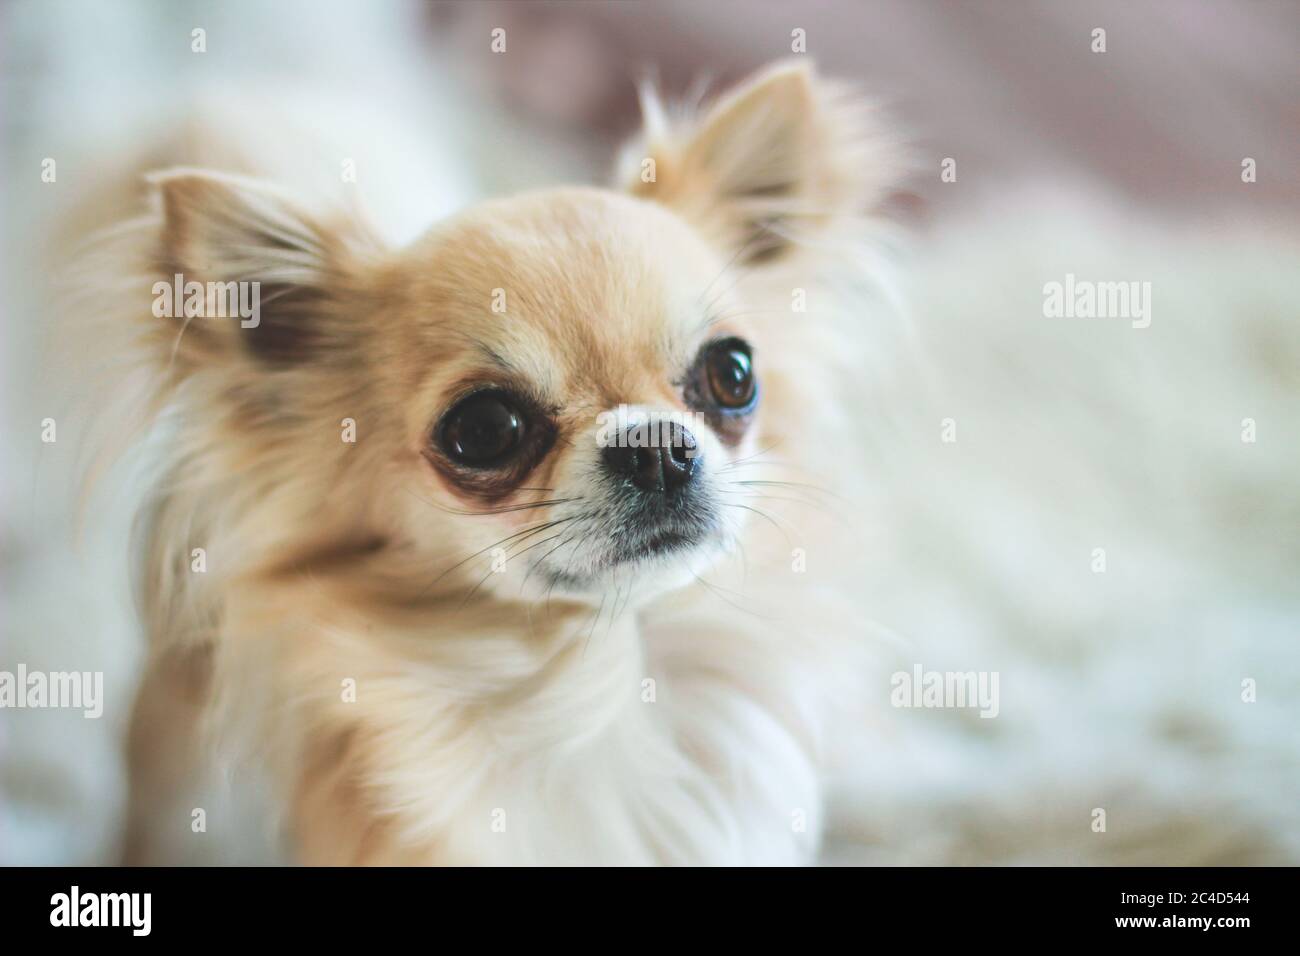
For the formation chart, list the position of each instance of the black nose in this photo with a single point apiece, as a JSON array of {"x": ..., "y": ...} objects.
[{"x": 658, "y": 467}]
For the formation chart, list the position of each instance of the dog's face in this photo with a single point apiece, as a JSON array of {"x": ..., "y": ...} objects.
[
  {"x": 550, "y": 389},
  {"x": 580, "y": 384}
]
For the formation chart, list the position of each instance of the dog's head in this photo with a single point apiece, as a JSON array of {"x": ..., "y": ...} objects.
[{"x": 556, "y": 387}]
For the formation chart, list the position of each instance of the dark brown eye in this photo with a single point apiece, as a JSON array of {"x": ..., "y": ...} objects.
[
  {"x": 730, "y": 372},
  {"x": 484, "y": 430}
]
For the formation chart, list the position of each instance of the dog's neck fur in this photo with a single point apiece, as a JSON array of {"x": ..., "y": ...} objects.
[{"x": 564, "y": 738}]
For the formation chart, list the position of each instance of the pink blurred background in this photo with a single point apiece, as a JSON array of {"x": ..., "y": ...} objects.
[{"x": 1012, "y": 90}]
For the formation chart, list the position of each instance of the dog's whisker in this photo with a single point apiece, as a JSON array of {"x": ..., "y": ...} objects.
[
  {"x": 721, "y": 594},
  {"x": 810, "y": 502},
  {"x": 527, "y": 506},
  {"x": 509, "y": 509},
  {"x": 729, "y": 264},
  {"x": 741, "y": 275},
  {"x": 627, "y": 600},
  {"x": 748, "y": 458},
  {"x": 540, "y": 561},
  {"x": 715, "y": 318},
  {"x": 493, "y": 571},
  {"x": 604, "y": 595},
  {"x": 794, "y": 487},
  {"x": 753, "y": 462},
  {"x": 784, "y": 484},
  {"x": 496, "y": 544},
  {"x": 765, "y": 516},
  {"x": 555, "y": 579}
]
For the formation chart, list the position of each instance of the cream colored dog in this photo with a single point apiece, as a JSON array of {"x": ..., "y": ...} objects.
[{"x": 451, "y": 536}]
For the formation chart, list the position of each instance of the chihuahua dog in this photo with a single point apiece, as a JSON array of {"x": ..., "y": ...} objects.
[{"x": 515, "y": 544}]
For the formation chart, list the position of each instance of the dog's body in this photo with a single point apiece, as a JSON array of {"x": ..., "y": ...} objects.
[
  {"x": 414, "y": 661},
  {"x": 321, "y": 697},
  {"x": 333, "y": 686}
]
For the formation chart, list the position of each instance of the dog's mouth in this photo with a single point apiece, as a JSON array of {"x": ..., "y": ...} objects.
[
  {"x": 632, "y": 549},
  {"x": 657, "y": 543}
]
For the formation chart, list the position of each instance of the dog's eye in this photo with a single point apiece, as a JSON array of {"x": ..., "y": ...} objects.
[
  {"x": 729, "y": 367},
  {"x": 484, "y": 430}
]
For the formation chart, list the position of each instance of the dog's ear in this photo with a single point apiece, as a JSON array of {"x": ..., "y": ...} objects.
[
  {"x": 244, "y": 272},
  {"x": 777, "y": 160}
]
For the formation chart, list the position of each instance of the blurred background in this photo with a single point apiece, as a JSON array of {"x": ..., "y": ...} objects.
[{"x": 1117, "y": 158}]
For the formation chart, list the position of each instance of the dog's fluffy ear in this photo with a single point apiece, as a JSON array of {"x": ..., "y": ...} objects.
[
  {"x": 780, "y": 158},
  {"x": 244, "y": 242}
]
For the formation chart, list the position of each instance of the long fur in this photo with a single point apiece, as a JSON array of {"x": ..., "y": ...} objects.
[
  {"x": 495, "y": 722},
  {"x": 667, "y": 718}
]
